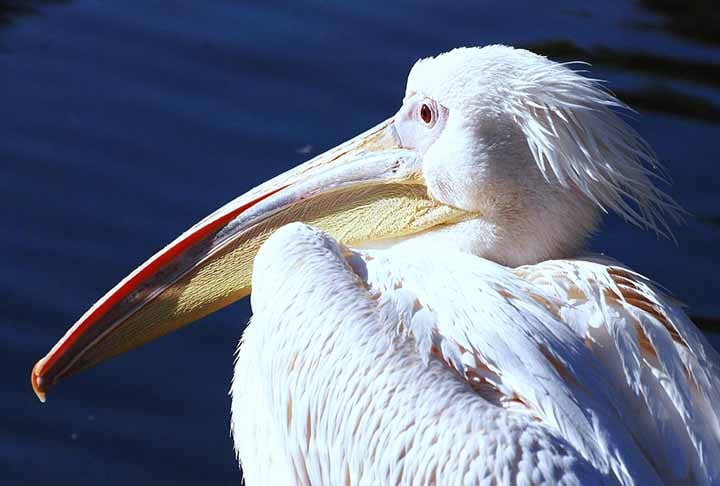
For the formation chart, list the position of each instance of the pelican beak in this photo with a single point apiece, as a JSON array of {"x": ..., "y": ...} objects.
[{"x": 366, "y": 189}]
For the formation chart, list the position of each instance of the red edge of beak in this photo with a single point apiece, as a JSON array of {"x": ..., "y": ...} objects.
[{"x": 37, "y": 378}]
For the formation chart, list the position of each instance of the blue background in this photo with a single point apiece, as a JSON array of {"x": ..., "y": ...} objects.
[{"x": 123, "y": 123}]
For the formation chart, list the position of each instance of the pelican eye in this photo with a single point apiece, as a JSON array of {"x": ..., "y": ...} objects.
[{"x": 426, "y": 114}]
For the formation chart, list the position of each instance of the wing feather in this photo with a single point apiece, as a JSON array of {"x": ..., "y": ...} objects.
[
  {"x": 589, "y": 348},
  {"x": 661, "y": 350},
  {"x": 421, "y": 367},
  {"x": 359, "y": 379}
]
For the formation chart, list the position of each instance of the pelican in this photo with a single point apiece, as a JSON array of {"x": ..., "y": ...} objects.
[{"x": 423, "y": 308}]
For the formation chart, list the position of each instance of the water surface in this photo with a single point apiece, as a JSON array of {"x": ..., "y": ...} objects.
[{"x": 125, "y": 122}]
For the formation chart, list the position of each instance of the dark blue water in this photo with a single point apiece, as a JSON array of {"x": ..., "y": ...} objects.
[{"x": 122, "y": 123}]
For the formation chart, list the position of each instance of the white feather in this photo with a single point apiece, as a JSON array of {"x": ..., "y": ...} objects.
[{"x": 375, "y": 402}]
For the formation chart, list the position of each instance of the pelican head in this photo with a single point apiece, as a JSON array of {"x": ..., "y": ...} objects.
[
  {"x": 495, "y": 151},
  {"x": 530, "y": 147}
]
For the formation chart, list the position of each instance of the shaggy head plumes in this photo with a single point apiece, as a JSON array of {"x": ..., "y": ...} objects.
[{"x": 515, "y": 117}]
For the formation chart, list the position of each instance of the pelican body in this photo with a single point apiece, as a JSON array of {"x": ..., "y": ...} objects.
[{"x": 423, "y": 309}]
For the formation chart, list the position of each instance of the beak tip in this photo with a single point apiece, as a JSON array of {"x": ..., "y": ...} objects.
[{"x": 38, "y": 382}]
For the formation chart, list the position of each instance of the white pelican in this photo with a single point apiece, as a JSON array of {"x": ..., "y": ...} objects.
[{"x": 465, "y": 338}]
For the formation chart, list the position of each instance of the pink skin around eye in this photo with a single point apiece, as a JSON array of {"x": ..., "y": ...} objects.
[{"x": 415, "y": 128}]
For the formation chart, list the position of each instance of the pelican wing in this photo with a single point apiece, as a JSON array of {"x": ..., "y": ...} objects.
[
  {"x": 653, "y": 356},
  {"x": 591, "y": 350},
  {"x": 415, "y": 367},
  {"x": 330, "y": 386}
]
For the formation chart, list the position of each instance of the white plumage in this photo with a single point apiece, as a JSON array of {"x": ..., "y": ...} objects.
[
  {"x": 466, "y": 338},
  {"x": 394, "y": 367}
]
